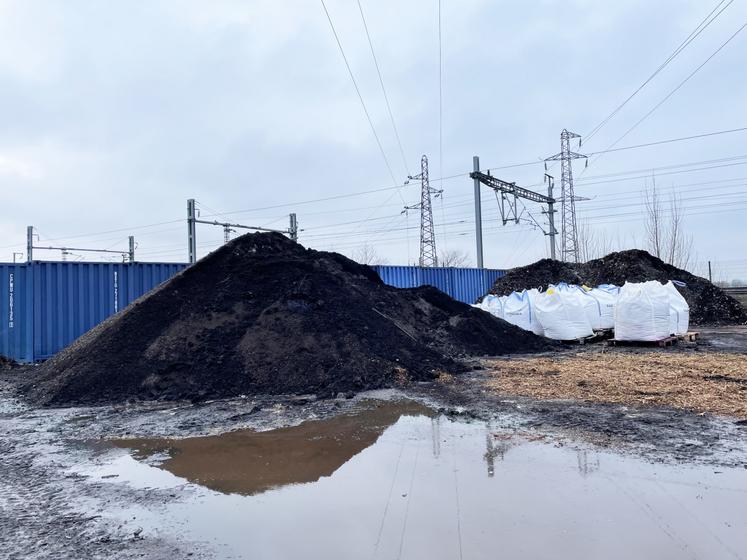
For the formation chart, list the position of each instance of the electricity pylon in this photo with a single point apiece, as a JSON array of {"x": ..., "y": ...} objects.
[
  {"x": 569, "y": 231},
  {"x": 428, "y": 255}
]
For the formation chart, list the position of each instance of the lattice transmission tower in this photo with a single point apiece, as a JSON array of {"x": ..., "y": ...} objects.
[
  {"x": 569, "y": 231},
  {"x": 428, "y": 255}
]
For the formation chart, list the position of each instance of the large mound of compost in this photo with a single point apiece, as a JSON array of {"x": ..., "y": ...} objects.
[
  {"x": 709, "y": 305},
  {"x": 262, "y": 314}
]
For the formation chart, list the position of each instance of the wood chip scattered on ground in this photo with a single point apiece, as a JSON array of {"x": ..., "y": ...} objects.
[{"x": 703, "y": 382}]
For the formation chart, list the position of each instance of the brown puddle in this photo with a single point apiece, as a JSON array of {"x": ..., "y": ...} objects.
[
  {"x": 249, "y": 462},
  {"x": 398, "y": 481}
]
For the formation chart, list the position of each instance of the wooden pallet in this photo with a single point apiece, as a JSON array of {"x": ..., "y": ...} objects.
[
  {"x": 604, "y": 334},
  {"x": 585, "y": 340},
  {"x": 691, "y": 336},
  {"x": 596, "y": 337},
  {"x": 668, "y": 341}
]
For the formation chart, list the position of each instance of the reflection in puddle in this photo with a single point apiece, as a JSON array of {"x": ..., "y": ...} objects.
[
  {"x": 397, "y": 482},
  {"x": 249, "y": 462}
]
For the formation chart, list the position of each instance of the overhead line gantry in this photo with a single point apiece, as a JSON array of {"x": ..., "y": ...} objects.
[
  {"x": 510, "y": 193},
  {"x": 193, "y": 220}
]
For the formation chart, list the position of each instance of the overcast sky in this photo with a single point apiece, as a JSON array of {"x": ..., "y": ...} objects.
[{"x": 114, "y": 113}]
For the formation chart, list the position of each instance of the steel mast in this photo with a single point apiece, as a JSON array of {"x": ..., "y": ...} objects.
[
  {"x": 428, "y": 254},
  {"x": 569, "y": 230}
]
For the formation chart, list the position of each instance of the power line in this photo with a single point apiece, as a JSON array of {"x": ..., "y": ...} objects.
[
  {"x": 684, "y": 199},
  {"x": 581, "y": 181},
  {"x": 682, "y": 138},
  {"x": 635, "y": 146},
  {"x": 618, "y": 193},
  {"x": 440, "y": 97},
  {"x": 689, "y": 39},
  {"x": 625, "y": 194},
  {"x": 686, "y": 187},
  {"x": 313, "y": 200},
  {"x": 665, "y": 173},
  {"x": 383, "y": 89},
  {"x": 457, "y": 175},
  {"x": 635, "y": 216},
  {"x": 671, "y": 93},
  {"x": 441, "y": 117},
  {"x": 78, "y": 236},
  {"x": 665, "y": 167},
  {"x": 467, "y": 218},
  {"x": 358, "y": 91},
  {"x": 397, "y": 191},
  {"x": 732, "y": 206}
]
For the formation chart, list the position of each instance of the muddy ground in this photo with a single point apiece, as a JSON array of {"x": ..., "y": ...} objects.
[{"x": 52, "y": 507}]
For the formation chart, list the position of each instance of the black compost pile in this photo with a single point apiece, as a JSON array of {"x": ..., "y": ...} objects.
[
  {"x": 264, "y": 315},
  {"x": 709, "y": 305},
  {"x": 7, "y": 364}
]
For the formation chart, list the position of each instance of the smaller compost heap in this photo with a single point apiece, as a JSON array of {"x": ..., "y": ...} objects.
[
  {"x": 709, "y": 305},
  {"x": 264, "y": 315}
]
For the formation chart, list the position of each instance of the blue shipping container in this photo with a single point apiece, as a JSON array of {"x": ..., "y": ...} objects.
[
  {"x": 16, "y": 310},
  {"x": 463, "y": 284},
  {"x": 46, "y": 305}
]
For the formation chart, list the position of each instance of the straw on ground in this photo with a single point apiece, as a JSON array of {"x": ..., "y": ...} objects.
[{"x": 703, "y": 382}]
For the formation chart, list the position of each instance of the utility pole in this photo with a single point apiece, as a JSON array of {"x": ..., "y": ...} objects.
[
  {"x": 428, "y": 254},
  {"x": 293, "y": 227},
  {"x": 478, "y": 210},
  {"x": 191, "y": 231},
  {"x": 550, "y": 180},
  {"x": 569, "y": 231},
  {"x": 710, "y": 276},
  {"x": 131, "y": 254},
  {"x": 29, "y": 243}
]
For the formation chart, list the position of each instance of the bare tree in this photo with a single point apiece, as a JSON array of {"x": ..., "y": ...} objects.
[
  {"x": 654, "y": 219},
  {"x": 666, "y": 237},
  {"x": 453, "y": 258},
  {"x": 679, "y": 244},
  {"x": 593, "y": 244},
  {"x": 366, "y": 254}
]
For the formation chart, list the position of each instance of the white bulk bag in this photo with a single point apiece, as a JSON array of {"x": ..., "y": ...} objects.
[
  {"x": 536, "y": 325},
  {"x": 560, "y": 310},
  {"x": 493, "y": 305},
  {"x": 479, "y": 305},
  {"x": 606, "y": 297},
  {"x": 518, "y": 311},
  {"x": 592, "y": 307},
  {"x": 642, "y": 312},
  {"x": 679, "y": 310}
]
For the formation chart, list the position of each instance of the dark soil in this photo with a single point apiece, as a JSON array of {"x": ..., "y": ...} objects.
[
  {"x": 264, "y": 315},
  {"x": 709, "y": 305},
  {"x": 7, "y": 363}
]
